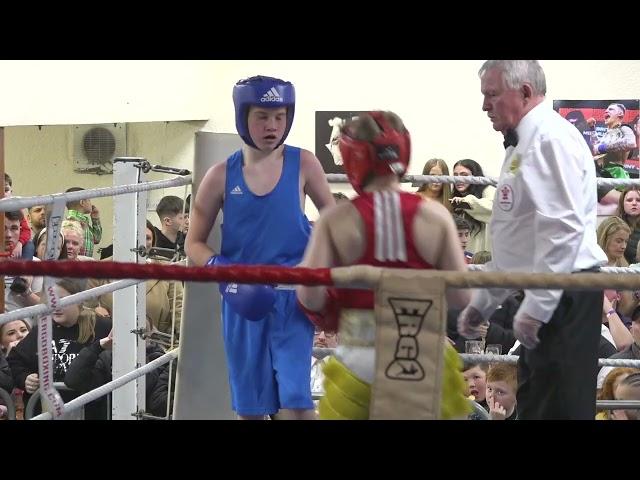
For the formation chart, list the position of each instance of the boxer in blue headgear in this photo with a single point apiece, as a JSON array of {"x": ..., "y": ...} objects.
[
  {"x": 265, "y": 92},
  {"x": 261, "y": 189}
]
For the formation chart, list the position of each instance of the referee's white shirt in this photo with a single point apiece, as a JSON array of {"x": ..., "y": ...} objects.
[{"x": 544, "y": 213}]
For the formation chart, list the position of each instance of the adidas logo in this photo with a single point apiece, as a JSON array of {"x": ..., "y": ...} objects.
[
  {"x": 236, "y": 190},
  {"x": 272, "y": 96},
  {"x": 232, "y": 288}
]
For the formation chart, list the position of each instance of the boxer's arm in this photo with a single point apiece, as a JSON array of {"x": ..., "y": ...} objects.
[
  {"x": 319, "y": 254},
  {"x": 436, "y": 240},
  {"x": 314, "y": 181},
  {"x": 204, "y": 210}
]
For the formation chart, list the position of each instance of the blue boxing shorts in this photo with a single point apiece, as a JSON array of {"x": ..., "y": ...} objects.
[{"x": 269, "y": 360}]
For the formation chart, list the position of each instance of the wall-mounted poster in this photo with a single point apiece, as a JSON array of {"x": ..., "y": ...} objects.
[
  {"x": 328, "y": 125},
  {"x": 610, "y": 128}
]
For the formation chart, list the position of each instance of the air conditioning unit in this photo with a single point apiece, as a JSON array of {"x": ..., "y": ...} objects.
[{"x": 95, "y": 147}]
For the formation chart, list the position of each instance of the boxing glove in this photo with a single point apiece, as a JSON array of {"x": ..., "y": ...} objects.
[{"x": 250, "y": 301}]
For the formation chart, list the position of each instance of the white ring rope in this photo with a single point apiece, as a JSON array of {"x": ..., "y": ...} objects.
[
  {"x": 619, "y": 270},
  {"x": 421, "y": 179},
  {"x": 74, "y": 299},
  {"x": 82, "y": 400},
  {"x": 610, "y": 270},
  {"x": 513, "y": 359},
  {"x": 320, "y": 353},
  {"x": 12, "y": 204},
  {"x": 618, "y": 182},
  {"x": 618, "y": 404}
]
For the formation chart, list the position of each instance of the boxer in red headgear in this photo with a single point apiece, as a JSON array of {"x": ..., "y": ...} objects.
[{"x": 387, "y": 227}]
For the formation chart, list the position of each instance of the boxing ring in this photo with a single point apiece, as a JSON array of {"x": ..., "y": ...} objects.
[
  {"x": 202, "y": 390},
  {"x": 343, "y": 277}
]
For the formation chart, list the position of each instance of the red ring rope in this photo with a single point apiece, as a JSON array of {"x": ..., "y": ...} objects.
[{"x": 265, "y": 274}]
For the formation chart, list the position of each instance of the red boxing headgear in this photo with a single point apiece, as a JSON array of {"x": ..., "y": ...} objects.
[{"x": 387, "y": 153}]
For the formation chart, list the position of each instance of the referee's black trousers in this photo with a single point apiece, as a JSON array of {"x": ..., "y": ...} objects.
[{"x": 557, "y": 379}]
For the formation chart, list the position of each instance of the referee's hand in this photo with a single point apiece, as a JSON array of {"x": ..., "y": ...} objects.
[
  {"x": 470, "y": 323},
  {"x": 525, "y": 329}
]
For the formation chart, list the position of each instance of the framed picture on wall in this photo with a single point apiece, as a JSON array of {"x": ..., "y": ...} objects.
[
  {"x": 607, "y": 121},
  {"x": 328, "y": 125}
]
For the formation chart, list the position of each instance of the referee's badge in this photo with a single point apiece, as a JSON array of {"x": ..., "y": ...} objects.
[
  {"x": 515, "y": 164},
  {"x": 505, "y": 197}
]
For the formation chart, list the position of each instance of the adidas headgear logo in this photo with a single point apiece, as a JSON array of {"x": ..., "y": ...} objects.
[{"x": 272, "y": 96}]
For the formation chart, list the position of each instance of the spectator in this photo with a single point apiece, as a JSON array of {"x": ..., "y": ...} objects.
[
  {"x": 88, "y": 215},
  {"x": 611, "y": 382},
  {"x": 73, "y": 329},
  {"x": 475, "y": 376},
  {"x": 171, "y": 213},
  {"x": 627, "y": 389},
  {"x": 38, "y": 219},
  {"x": 73, "y": 239},
  {"x": 629, "y": 211},
  {"x": 464, "y": 232},
  {"x": 321, "y": 339},
  {"x": 11, "y": 333},
  {"x": 19, "y": 291},
  {"x": 502, "y": 385},
  {"x": 474, "y": 203},
  {"x": 92, "y": 369},
  {"x": 41, "y": 245},
  {"x": 613, "y": 234},
  {"x": 23, "y": 248},
  {"x": 440, "y": 192},
  {"x": 630, "y": 353}
]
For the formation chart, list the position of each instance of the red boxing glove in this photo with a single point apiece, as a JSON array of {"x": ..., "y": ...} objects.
[{"x": 328, "y": 318}]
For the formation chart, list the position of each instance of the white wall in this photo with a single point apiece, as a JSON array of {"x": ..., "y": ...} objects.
[
  {"x": 58, "y": 92},
  {"x": 163, "y": 143}
]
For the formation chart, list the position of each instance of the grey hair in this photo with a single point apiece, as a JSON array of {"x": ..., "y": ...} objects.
[{"x": 518, "y": 72}]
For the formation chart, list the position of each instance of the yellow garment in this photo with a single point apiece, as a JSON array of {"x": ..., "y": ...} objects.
[{"x": 347, "y": 397}]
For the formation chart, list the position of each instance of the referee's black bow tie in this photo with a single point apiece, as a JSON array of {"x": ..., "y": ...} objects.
[{"x": 510, "y": 139}]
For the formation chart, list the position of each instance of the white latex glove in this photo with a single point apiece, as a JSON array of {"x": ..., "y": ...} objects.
[
  {"x": 469, "y": 322},
  {"x": 525, "y": 329}
]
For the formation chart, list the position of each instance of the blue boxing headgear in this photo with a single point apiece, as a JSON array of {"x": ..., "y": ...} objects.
[{"x": 265, "y": 92}]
